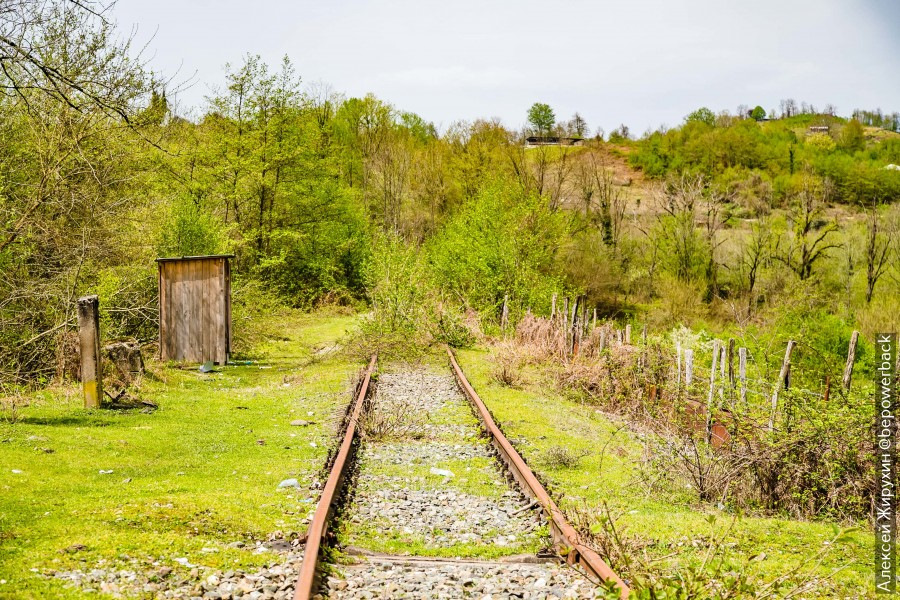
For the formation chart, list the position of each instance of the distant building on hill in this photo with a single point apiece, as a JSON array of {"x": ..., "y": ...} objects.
[
  {"x": 538, "y": 140},
  {"x": 819, "y": 129}
]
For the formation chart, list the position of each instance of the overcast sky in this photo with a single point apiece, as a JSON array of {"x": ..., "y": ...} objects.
[{"x": 641, "y": 63}]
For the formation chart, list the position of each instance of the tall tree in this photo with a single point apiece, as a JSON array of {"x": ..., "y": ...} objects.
[
  {"x": 853, "y": 136},
  {"x": 541, "y": 118}
]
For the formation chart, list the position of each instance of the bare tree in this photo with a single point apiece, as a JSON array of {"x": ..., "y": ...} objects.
[
  {"x": 683, "y": 200},
  {"x": 544, "y": 170},
  {"x": 389, "y": 179},
  {"x": 878, "y": 251},
  {"x": 808, "y": 241},
  {"x": 600, "y": 197},
  {"x": 67, "y": 86},
  {"x": 94, "y": 71},
  {"x": 679, "y": 200},
  {"x": 578, "y": 126},
  {"x": 754, "y": 253},
  {"x": 788, "y": 107}
]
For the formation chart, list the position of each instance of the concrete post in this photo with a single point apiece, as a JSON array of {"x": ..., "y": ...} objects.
[{"x": 89, "y": 341}]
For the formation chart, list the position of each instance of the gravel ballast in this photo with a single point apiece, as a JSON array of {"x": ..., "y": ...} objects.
[{"x": 436, "y": 489}]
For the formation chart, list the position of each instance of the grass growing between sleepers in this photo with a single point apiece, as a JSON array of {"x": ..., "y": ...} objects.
[
  {"x": 672, "y": 528},
  {"x": 81, "y": 487}
]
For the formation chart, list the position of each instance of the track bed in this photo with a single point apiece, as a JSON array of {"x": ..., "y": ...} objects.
[{"x": 433, "y": 513}]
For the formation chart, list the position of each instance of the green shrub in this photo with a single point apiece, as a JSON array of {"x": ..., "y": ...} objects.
[
  {"x": 501, "y": 243},
  {"x": 191, "y": 230}
]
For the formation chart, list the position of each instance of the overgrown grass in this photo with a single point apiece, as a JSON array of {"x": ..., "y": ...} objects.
[
  {"x": 671, "y": 528},
  {"x": 199, "y": 473}
]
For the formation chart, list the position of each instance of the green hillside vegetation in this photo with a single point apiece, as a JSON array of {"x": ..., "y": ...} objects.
[{"x": 775, "y": 154}]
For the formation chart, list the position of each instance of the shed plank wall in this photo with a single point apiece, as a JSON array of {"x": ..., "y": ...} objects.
[{"x": 195, "y": 310}]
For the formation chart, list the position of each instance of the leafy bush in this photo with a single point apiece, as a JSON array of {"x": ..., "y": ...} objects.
[
  {"x": 320, "y": 259},
  {"x": 502, "y": 242},
  {"x": 191, "y": 230}
]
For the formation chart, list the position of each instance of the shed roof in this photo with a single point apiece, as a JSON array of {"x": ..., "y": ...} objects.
[{"x": 174, "y": 258}]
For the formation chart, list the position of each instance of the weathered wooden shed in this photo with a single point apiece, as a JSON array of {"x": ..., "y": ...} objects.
[{"x": 195, "y": 308}]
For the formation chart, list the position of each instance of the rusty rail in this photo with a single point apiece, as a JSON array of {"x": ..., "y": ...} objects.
[
  {"x": 563, "y": 533},
  {"x": 319, "y": 524}
]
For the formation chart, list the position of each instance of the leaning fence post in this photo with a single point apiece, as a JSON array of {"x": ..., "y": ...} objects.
[
  {"x": 688, "y": 367},
  {"x": 782, "y": 377},
  {"x": 851, "y": 357},
  {"x": 742, "y": 373},
  {"x": 89, "y": 344},
  {"x": 712, "y": 391}
]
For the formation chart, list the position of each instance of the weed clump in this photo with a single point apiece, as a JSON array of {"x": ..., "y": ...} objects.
[
  {"x": 562, "y": 457},
  {"x": 393, "y": 420}
]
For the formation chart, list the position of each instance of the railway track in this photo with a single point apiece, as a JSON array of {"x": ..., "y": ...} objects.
[{"x": 428, "y": 509}]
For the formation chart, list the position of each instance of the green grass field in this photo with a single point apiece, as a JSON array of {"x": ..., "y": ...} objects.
[
  {"x": 671, "y": 528},
  {"x": 187, "y": 480},
  {"x": 201, "y": 472}
]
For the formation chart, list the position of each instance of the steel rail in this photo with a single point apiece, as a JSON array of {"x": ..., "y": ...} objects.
[
  {"x": 319, "y": 525},
  {"x": 563, "y": 533}
]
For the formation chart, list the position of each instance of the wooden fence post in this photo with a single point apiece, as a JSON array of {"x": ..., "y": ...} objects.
[
  {"x": 742, "y": 373},
  {"x": 851, "y": 357},
  {"x": 504, "y": 315},
  {"x": 723, "y": 351},
  {"x": 644, "y": 334},
  {"x": 628, "y": 334},
  {"x": 576, "y": 333},
  {"x": 712, "y": 391},
  {"x": 594, "y": 324},
  {"x": 89, "y": 344},
  {"x": 782, "y": 377},
  {"x": 678, "y": 365},
  {"x": 603, "y": 331},
  {"x": 731, "y": 381},
  {"x": 553, "y": 307},
  {"x": 585, "y": 322},
  {"x": 688, "y": 367}
]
